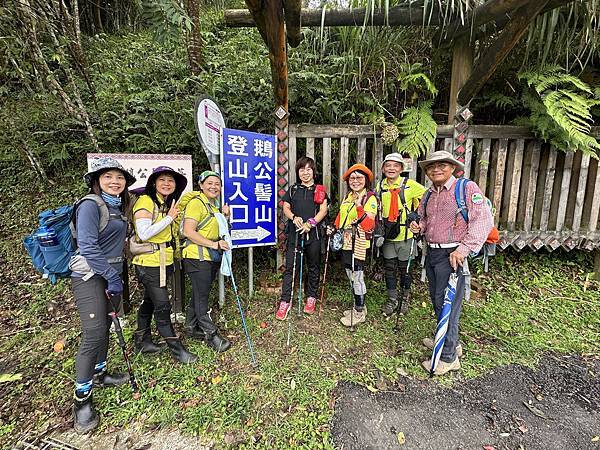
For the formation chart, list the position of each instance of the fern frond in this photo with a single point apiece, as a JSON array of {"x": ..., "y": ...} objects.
[{"x": 418, "y": 128}]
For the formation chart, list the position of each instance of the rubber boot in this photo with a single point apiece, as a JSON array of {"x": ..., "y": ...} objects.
[
  {"x": 84, "y": 415},
  {"x": 213, "y": 339},
  {"x": 179, "y": 352},
  {"x": 105, "y": 379},
  {"x": 143, "y": 342}
]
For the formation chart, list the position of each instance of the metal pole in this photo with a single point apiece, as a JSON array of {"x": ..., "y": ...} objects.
[
  {"x": 217, "y": 168},
  {"x": 250, "y": 272}
]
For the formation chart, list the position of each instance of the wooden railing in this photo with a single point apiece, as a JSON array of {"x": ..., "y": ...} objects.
[{"x": 544, "y": 198}]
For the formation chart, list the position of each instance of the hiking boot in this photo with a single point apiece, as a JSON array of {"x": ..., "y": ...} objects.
[
  {"x": 442, "y": 367},
  {"x": 390, "y": 307},
  {"x": 85, "y": 417},
  {"x": 356, "y": 317},
  {"x": 405, "y": 300},
  {"x": 195, "y": 333},
  {"x": 143, "y": 342},
  {"x": 179, "y": 352},
  {"x": 213, "y": 339},
  {"x": 282, "y": 312},
  {"x": 309, "y": 307},
  {"x": 105, "y": 379},
  {"x": 428, "y": 342}
]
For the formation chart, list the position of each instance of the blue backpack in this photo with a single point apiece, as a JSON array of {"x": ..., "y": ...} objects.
[
  {"x": 52, "y": 245},
  {"x": 460, "y": 195}
]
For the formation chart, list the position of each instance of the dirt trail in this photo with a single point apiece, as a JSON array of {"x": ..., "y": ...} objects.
[{"x": 555, "y": 406}]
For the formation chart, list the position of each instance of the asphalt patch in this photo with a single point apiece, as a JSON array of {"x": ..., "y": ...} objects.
[{"x": 555, "y": 406}]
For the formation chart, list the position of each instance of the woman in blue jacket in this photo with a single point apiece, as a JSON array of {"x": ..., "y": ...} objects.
[{"x": 101, "y": 228}]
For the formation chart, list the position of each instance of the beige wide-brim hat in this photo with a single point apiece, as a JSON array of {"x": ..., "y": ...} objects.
[{"x": 441, "y": 156}]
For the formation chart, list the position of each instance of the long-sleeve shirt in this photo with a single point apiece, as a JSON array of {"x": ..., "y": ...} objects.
[
  {"x": 98, "y": 247},
  {"x": 443, "y": 223}
]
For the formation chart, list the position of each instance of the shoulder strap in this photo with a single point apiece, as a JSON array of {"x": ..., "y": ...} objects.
[
  {"x": 207, "y": 218},
  {"x": 424, "y": 201},
  {"x": 402, "y": 195},
  {"x": 460, "y": 194},
  {"x": 105, "y": 216}
]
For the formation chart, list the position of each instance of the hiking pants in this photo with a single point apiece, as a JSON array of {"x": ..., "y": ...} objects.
[
  {"x": 156, "y": 301},
  {"x": 357, "y": 278},
  {"x": 437, "y": 266},
  {"x": 395, "y": 257},
  {"x": 93, "y": 309},
  {"x": 202, "y": 274},
  {"x": 312, "y": 262}
]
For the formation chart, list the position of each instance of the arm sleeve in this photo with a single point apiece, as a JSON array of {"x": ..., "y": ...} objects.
[
  {"x": 370, "y": 209},
  {"x": 480, "y": 223},
  {"x": 145, "y": 229},
  {"x": 88, "y": 225}
]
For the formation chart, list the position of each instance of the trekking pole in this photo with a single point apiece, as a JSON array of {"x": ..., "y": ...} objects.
[
  {"x": 241, "y": 310},
  {"x": 323, "y": 298},
  {"x": 292, "y": 289},
  {"x": 352, "y": 278},
  {"x": 300, "y": 277},
  {"x": 121, "y": 339},
  {"x": 411, "y": 217}
]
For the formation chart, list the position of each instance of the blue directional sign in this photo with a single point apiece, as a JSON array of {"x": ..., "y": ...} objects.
[{"x": 249, "y": 174}]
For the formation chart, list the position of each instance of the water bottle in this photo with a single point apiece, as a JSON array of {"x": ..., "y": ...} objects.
[{"x": 46, "y": 236}]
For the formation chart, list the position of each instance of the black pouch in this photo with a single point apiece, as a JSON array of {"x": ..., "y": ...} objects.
[
  {"x": 215, "y": 255},
  {"x": 391, "y": 229}
]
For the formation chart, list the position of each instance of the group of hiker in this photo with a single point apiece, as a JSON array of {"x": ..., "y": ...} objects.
[
  {"x": 96, "y": 268},
  {"x": 388, "y": 217},
  {"x": 390, "y": 214}
]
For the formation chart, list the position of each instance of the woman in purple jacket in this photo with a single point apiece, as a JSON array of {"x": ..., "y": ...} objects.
[{"x": 101, "y": 227}]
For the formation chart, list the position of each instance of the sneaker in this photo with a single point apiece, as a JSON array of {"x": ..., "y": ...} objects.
[
  {"x": 122, "y": 322},
  {"x": 442, "y": 367},
  {"x": 282, "y": 312},
  {"x": 356, "y": 318},
  {"x": 390, "y": 307},
  {"x": 428, "y": 342},
  {"x": 309, "y": 307}
]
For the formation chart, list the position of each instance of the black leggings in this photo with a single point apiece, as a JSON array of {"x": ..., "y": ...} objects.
[
  {"x": 156, "y": 301},
  {"x": 202, "y": 274},
  {"x": 312, "y": 261},
  {"x": 93, "y": 309}
]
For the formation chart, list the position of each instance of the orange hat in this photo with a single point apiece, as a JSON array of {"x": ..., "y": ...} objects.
[{"x": 360, "y": 167}]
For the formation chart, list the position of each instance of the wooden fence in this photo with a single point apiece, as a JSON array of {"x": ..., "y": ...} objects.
[{"x": 544, "y": 198}]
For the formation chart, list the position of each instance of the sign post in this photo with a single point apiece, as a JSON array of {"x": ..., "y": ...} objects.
[
  {"x": 249, "y": 173},
  {"x": 209, "y": 123}
]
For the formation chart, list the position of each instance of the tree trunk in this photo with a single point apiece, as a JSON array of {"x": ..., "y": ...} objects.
[{"x": 193, "y": 37}]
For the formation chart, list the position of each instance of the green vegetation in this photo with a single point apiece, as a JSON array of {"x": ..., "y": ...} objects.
[{"x": 527, "y": 305}]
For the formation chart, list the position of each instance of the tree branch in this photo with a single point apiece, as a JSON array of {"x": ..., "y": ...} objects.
[{"x": 499, "y": 49}]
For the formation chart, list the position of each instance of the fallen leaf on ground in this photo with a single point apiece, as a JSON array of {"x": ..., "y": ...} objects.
[
  {"x": 401, "y": 438},
  {"x": 217, "y": 379},
  {"x": 596, "y": 439},
  {"x": 136, "y": 395},
  {"x": 523, "y": 429},
  {"x": 59, "y": 345},
  {"x": 8, "y": 377}
]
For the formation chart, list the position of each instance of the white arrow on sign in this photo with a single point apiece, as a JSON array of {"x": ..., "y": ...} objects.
[{"x": 258, "y": 233}]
